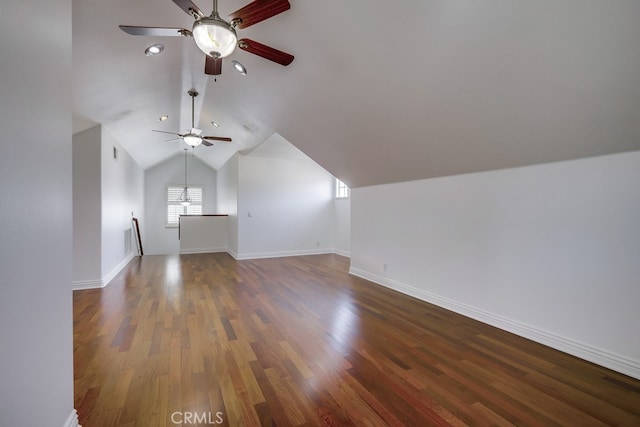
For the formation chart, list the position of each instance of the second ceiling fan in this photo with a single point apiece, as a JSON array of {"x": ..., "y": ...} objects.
[
  {"x": 217, "y": 38},
  {"x": 194, "y": 136}
]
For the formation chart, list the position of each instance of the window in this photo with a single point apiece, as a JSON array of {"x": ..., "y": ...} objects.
[
  {"x": 175, "y": 209},
  {"x": 342, "y": 191}
]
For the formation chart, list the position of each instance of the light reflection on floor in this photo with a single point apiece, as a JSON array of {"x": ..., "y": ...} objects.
[
  {"x": 172, "y": 272},
  {"x": 345, "y": 324},
  {"x": 344, "y": 329}
]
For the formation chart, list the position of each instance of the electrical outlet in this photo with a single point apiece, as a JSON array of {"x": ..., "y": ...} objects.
[{"x": 384, "y": 267}]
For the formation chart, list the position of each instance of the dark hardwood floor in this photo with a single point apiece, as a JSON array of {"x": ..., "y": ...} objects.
[{"x": 204, "y": 339}]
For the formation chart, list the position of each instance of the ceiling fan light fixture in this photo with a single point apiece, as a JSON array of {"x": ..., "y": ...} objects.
[
  {"x": 192, "y": 140},
  {"x": 239, "y": 67},
  {"x": 185, "y": 198},
  {"x": 214, "y": 36},
  {"x": 154, "y": 49}
]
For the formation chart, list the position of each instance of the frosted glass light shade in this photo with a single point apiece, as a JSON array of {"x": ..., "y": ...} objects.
[
  {"x": 214, "y": 37},
  {"x": 192, "y": 140}
]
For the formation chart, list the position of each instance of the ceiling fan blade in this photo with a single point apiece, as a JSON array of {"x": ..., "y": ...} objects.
[
  {"x": 171, "y": 133},
  {"x": 154, "y": 31},
  {"x": 217, "y": 138},
  {"x": 212, "y": 66},
  {"x": 258, "y": 11},
  {"x": 265, "y": 51},
  {"x": 206, "y": 143},
  {"x": 189, "y": 7}
]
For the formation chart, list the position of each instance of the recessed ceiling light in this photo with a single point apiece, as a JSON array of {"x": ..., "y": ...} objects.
[
  {"x": 239, "y": 67},
  {"x": 163, "y": 118},
  {"x": 215, "y": 124},
  {"x": 154, "y": 49}
]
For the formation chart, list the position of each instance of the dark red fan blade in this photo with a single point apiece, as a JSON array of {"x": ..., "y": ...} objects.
[
  {"x": 217, "y": 138},
  {"x": 154, "y": 31},
  {"x": 265, "y": 51},
  {"x": 188, "y": 7},
  {"x": 212, "y": 66},
  {"x": 258, "y": 11}
]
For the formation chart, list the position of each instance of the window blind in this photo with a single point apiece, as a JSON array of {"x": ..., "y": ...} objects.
[{"x": 175, "y": 209}]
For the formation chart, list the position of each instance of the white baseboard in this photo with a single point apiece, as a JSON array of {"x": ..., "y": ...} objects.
[
  {"x": 72, "y": 421},
  {"x": 115, "y": 270},
  {"x": 598, "y": 356},
  {"x": 202, "y": 250},
  {"x": 279, "y": 254},
  {"x": 86, "y": 284},
  {"x": 341, "y": 252}
]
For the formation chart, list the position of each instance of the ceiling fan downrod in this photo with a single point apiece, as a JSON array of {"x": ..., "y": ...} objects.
[{"x": 193, "y": 93}]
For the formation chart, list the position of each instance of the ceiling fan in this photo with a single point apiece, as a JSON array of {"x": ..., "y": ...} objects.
[
  {"x": 216, "y": 37},
  {"x": 194, "y": 137}
]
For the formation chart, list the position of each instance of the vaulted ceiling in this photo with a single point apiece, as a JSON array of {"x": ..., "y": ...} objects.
[{"x": 378, "y": 92}]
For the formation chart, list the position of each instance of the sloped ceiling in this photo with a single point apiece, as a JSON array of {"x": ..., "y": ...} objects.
[{"x": 378, "y": 92}]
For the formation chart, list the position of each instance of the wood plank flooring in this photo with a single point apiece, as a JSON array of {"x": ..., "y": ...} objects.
[{"x": 208, "y": 340}]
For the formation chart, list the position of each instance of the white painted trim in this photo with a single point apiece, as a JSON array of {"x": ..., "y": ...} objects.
[
  {"x": 115, "y": 270},
  {"x": 341, "y": 252},
  {"x": 86, "y": 284},
  {"x": 203, "y": 250},
  {"x": 598, "y": 356},
  {"x": 258, "y": 255},
  {"x": 72, "y": 421}
]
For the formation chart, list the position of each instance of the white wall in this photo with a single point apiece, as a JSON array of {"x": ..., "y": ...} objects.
[
  {"x": 227, "y": 193},
  {"x": 203, "y": 234},
  {"x": 36, "y": 359},
  {"x": 122, "y": 197},
  {"x": 87, "y": 210},
  {"x": 342, "y": 226},
  {"x": 551, "y": 252},
  {"x": 285, "y": 202},
  {"x": 158, "y": 239},
  {"x": 107, "y": 192}
]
